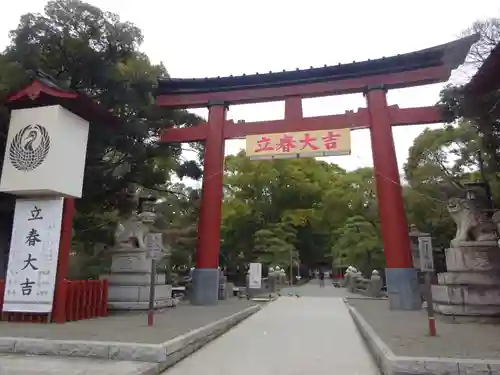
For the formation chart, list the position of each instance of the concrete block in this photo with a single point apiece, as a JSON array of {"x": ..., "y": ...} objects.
[
  {"x": 469, "y": 278},
  {"x": 37, "y": 346},
  {"x": 7, "y": 344},
  {"x": 473, "y": 367},
  {"x": 468, "y": 295},
  {"x": 139, "y": 306},
  {"x": 467, "y": 310},
  {"x": 91, "y": 349},
  {"x": 137, "y": 352},
  {"x": 423, "y": 366},
  {"x": 137, "y": 293},
  {"x": 133, "y": 279},
  {"x": 123, "y": 262},
  {"x": 162, "y": 292},
  {"x": 494, "y": 367},
  {"x": 402, "y": 289},
  {"x": 473, "y": 258}
]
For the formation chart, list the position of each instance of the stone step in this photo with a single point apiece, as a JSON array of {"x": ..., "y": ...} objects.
[
  {"x": 491, "y": 278},
  {"x": 466, "y": 295},
  {"x": 138, "y": 293},
  {"x": 467, "y": 310},
  {"x": 133, "y": 279},
  {"x": 475, "y": 257},
  {"x": 141, "y": 306}
]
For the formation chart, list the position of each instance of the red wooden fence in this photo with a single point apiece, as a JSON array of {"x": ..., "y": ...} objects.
[{"x": 85, "y": 299}]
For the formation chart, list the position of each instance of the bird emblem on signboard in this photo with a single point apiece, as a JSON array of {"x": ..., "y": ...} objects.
[{"x": 29, "y": 148}]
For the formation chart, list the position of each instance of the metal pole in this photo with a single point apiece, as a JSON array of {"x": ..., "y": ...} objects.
[
  {"x": 430, "y": 307},
  {"x": 151, "y": 310},
  {"x": 487, "y": 186},
  {"x": 427, "y": 266}
]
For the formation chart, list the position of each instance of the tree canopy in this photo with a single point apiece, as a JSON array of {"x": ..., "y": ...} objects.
[
  {"x": 93, "y": 52},
  {"x": 284, "y": 211},
  {"x": 481, "y": 112}
]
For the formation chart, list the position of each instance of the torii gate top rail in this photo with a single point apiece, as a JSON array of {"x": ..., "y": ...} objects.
[{"x": 422, "y": 67}]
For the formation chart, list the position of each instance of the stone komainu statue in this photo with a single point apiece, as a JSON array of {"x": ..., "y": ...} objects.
[
  {"x": 132, "y": 232},
  {"x": 473, "y": 224}
]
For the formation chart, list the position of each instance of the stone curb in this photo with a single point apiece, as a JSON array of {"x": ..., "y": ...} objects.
[
  {"x": 160, "y": 356},
  {"x": 383, "y": 298},
  {"x": 391, "y": 364}
]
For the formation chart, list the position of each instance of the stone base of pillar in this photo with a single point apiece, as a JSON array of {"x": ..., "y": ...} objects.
[
  {"x": 471, "y": 287},
  {"x": 205, "y": 287},
  {"x": 403, "y": 289},
  {"x": 130, "y": 279}
]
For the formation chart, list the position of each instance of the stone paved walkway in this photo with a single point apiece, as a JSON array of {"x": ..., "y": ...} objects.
[
  {"x": 125, "y": 328},
  {"x": 292, "y": 336},
  {"x": 130, "y": 327},
  {"x": 405, "y": 333}
]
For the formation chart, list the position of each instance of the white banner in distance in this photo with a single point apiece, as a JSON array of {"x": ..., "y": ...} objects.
[
  {"x": 255, "y": 277},
  {"x": 426, "y": 254}
]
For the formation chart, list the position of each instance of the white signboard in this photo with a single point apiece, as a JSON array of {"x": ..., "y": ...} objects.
[
  {"x": 34, "y": 251},
  {"x": 425, "y": 252},
  {"x": 255, "y": 277},
  {"x": 154, "y": 244},
  {"x": 45, "y": 152}
]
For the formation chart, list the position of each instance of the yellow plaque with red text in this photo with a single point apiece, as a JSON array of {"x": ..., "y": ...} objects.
[{"x": 299, "y": 144}]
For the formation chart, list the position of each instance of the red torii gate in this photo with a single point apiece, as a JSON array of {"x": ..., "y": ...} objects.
[{"x": 373, "y": 78}]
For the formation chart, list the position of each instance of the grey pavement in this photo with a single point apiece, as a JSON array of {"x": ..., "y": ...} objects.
[
  {"x": 12, "y": 364},
  {"x": 131, "y": 327},
  {"x": 405, "y": 333},
  {"x": 289, "y": 336},
  {"x": 312, "y": 289}
]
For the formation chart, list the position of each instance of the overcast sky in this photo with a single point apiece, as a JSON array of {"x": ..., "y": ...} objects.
[{"x": 200, "y": 38}]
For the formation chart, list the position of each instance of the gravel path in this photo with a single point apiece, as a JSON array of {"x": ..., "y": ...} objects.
[
  {"x": 130, "y": 327},
  {"x": 405, "y": 333}
]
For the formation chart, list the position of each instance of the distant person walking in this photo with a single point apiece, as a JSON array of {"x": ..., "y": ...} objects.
[{"x": 321, "y": 279}]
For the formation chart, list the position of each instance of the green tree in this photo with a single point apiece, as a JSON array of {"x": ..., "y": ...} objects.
[
  {"x": 439, "y": 162},
  {"x": 274, "y": 245},
  {"x": 446, "y": 155},
  {"x": 178, "y": 220},
  {"x": 260, "y": 194},
  {"x": 358, "y": 243},
  {"x": 266, "y": 199},
  {"x": 93, "y": 52},
  {"x": 482, "y": 112}
]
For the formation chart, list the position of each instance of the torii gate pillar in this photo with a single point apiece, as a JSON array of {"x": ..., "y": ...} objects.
[
  {"x": 401, "y": 277},
  {"x": 206, "y": 274}
]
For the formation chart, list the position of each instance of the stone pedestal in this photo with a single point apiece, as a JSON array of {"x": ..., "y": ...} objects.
[
  {"x": 471, "y": 287},
  {"x": 130, "y": 279}
]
